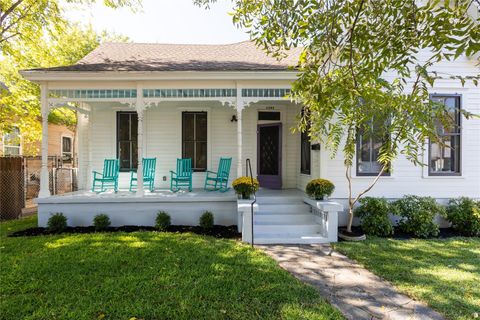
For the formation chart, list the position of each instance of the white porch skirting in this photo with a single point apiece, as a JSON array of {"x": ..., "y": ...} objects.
[{"x": 124, "y": 208}]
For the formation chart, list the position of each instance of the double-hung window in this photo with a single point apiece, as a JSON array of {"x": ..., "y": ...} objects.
[
  {"x": 369, "y": 143},
  {"x": 12, "y": 143},
  {"x": 67, "y": 150},
  {"x": 127, "y": 153},
  {"x": 444, "y": 155},
  {"x": 194, "y": 139}
]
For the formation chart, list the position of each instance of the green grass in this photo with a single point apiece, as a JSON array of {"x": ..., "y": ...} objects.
[
  {"x": 146, "y": 275},
  {"x": 443, "y": 273}
]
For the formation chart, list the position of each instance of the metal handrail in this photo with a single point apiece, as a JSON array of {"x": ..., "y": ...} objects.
[{"x": 248, "y": 169}]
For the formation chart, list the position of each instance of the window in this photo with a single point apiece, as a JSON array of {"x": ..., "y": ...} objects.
[
  {"x": 305, "y": 152},
  {"x": 444, "y": 156},
  {"x": 127, "y": 123},
  {"x": 194, "y": 139},
  {"x": 67, "y": 153},
  {"x": 269, "y": 116},
  {"x": 368, "y": 149},
  {"x": 12, "y": 143}
]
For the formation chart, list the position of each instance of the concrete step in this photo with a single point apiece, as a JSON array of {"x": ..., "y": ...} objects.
[
  {"x": 287, "y": 199},
  {"x": 288, "y": 208},
  {"x": 288, "y": 238},
  {"x": 298, "y": 218},
  {"x": 285, "y": 227}
]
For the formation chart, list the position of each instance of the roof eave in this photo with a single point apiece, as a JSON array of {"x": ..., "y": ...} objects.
[{"x": 41, "y": 76}]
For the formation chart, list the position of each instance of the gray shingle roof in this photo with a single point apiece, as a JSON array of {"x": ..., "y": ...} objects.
[{"x": 242, "y": 56}]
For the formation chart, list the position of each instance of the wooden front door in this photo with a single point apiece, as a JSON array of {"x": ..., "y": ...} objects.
[{"x": 269, "y": 155}]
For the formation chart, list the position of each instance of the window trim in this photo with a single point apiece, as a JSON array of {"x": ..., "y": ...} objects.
[
  {"x": 386, "y": 173},
  {"x": 117, "y": 140},
  {"x": 20, "y": 146},
  {"x": 207, "y": 154},
  {"x": 448, "y": 174},
  {"x": 309, "y": 170},
  {"x": 71, "y": 144}
]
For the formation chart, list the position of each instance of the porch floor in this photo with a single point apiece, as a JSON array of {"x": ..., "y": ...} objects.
[
  {"x": 163, "y": 195},
  {"x": 159, "y": 195}
]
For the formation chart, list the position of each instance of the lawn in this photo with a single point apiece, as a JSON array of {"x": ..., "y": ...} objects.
[
  {"x": 443, "y": 273},
  {"x": 146, "y": 275}
]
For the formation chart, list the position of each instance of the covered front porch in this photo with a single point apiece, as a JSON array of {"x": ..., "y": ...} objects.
[{"x": 130, "y": 125}]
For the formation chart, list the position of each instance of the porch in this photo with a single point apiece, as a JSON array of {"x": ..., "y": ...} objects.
[
  {"x": 169, "y": 120},
  {"x": 280, "y": 216}
]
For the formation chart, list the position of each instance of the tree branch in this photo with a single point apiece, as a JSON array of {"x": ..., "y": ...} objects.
[
  {"x": 9, "y": 10},
  {"x": 350, "y": 40}
]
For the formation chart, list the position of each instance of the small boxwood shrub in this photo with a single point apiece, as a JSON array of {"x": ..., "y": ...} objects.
[
  {"x": 101, "y": 222},
  {"x": 464, "y": 214},
  {"x": 417, "y": 215},
  {"x": 206, "y": 220},
  {"x": 57, "y": 222},
  {"x": 374, "y": 214},
  {"x": 319, "y": 188},
  {"x": 163, "y": 221}
]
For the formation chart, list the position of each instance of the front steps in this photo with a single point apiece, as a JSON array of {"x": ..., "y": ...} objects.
[{"x": 285, "y": 220}]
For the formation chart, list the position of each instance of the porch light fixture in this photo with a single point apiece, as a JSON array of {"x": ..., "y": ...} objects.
[{"x": 234, "y": 118}]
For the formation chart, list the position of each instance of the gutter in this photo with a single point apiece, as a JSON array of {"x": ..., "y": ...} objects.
[{"x": 38, "y": 76}]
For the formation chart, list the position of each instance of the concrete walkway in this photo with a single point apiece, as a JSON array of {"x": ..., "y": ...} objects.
[{"x": 355, "y": 291}]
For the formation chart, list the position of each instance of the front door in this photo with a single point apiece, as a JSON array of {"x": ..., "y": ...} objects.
[{"x": 269, "y": 155}]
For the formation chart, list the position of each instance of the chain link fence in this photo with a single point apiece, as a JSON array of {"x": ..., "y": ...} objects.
[{"x": 20, "y": 182}]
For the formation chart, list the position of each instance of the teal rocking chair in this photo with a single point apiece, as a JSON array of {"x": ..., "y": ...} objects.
[
  {"x": 183, "y": 176},
  {"x": 109, "y": 176},
  {"x": 219, "y": 180},
  {"x": 148, "y": 174}
]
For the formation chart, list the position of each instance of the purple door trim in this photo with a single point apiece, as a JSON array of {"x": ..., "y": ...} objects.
[{"x": 270, "y": 181}]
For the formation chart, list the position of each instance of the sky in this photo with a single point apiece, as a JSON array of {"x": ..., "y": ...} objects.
[{"x": 163, "y": 21}]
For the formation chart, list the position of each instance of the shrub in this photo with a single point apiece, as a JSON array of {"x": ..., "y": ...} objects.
[
  {"x": 319, "y": 188},
  {"x": 206, "y": 220},
  {"x": 374, "y": 213},
  {"x": 417, "y": 214},
  {"x": 57, "y": 222},
  {"x": 163, "y": 221},
  {"x": 244, "y": 187},
  {"x": 101, "y": 222},
  {"x": 464, "y": 214}
]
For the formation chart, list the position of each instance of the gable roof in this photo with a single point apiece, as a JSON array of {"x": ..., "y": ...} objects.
[{"x": 242, "y": 56}]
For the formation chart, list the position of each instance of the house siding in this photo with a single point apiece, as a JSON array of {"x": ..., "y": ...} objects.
[
  {"x": 162, "y": 138},
  {"x": 55, "y": 134},
  {"x": 409, "y": 179}
]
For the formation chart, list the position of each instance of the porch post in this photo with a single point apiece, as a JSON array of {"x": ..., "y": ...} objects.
[
  {"x": 239, "y": 107},
  {"x": 140, "y": 111},
  {"x": 44, "y": 176}
]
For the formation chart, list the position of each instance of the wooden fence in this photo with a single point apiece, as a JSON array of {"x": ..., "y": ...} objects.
[{"x": 12, "y": 187}]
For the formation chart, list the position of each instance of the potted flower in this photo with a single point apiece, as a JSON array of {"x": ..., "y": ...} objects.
[
  {"x": 243, "y": 186},
  {"x": 320, "y": 189}
]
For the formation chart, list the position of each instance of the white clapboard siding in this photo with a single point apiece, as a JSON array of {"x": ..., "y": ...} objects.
[{"x": 408, "y": 179}]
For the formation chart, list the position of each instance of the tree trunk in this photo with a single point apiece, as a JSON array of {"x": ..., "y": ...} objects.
[{"x": 350, "y": 218}]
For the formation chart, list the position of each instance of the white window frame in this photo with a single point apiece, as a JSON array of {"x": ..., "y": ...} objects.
[
  {"x": 4, "y": 145},
  {"x": 71, "y": 144}
]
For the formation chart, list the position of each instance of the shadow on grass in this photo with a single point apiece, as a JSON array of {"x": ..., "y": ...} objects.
[
  {"x": 443, "y": 273},
  {"x": 148, "y": 275}
]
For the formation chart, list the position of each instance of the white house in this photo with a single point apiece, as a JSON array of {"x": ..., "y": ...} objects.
[{"x": 210, "y": 101}]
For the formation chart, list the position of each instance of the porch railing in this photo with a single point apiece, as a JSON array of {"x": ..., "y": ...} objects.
[{"x": 248, "y": 170}]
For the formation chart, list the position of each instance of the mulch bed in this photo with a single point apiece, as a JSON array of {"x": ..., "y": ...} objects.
[
  {"x": 224, "y": 232},
  {"x": 445, "y": 233}
]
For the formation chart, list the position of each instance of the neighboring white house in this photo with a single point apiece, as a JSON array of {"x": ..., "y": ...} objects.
[{"x": 210, "y": 101}]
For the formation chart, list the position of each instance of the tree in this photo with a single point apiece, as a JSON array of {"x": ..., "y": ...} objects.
[
  {"x": 360, "y": 64},
  {"x": 26, "y": 21},
  {"x": 20, "y": 106}
]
